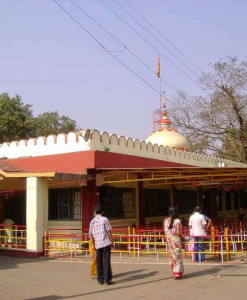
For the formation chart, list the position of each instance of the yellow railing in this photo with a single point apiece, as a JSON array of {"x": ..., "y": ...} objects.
[
  {"x": 138, "y": 243},
  {"x": 12, "y": 237}
]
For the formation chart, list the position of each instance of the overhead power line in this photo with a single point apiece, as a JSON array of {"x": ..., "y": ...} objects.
[
  {"x": 91, "y": 35},
  {"x": 149, "y": 32},
  {"x": 122, "y": 44},
  {"x": 150, "y": 24},
  {"x": 151, "y": 45}
]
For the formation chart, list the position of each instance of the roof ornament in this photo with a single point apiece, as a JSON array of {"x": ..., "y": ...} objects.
[
  {"x": 163, "y": 134},
  {"x": 85, "y": 134},
  {"x": 160, "y": 116},
  {"x": 164, "y": 121}
]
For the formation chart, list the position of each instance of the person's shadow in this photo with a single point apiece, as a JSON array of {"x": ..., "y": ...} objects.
[{"x": 133, "y": 275}]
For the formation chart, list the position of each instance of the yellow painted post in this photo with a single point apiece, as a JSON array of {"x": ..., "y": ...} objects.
[
  {"x": 213, "y": 239},
  {"x": 227, "y": 244},
  {"x": 134, "y": 242}
]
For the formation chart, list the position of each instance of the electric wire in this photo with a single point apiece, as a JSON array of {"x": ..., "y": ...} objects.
[
  {"x": 150, "y": 24},
  {"x": 151, "y": 44},
  {"x": 114, "y": 37},
  {"x": 127, "y": 67},
  {"x": 149, "y": 32}
]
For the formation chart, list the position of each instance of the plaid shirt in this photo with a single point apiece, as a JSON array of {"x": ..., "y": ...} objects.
[{"x": 98, "y": 229}]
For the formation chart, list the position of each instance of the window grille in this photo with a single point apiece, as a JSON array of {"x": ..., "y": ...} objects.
[
  {"x": 118, "y": 203},
  {"x": 65, "y": 204}
]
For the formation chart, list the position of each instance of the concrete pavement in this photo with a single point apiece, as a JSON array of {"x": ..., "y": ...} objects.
[{"x": 52, "y": 279}]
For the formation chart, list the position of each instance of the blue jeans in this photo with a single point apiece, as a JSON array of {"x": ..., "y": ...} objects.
[
  {"x": 104, "y": 264},
  {"x": 199, "y": 248}
]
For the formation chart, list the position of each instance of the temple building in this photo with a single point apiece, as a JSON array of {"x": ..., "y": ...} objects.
[{"x": 56, "y": 181}]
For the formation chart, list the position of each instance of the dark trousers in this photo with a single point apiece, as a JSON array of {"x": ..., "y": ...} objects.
[
  {"x": 199, "y": 248},
  {"x": 104, "y": 264}
]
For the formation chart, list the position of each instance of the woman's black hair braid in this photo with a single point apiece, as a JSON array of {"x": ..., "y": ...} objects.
[{"x": 173, "y": 214}]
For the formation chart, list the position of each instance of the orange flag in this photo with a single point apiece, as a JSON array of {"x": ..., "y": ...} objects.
[{"x": 158, "y": 67}]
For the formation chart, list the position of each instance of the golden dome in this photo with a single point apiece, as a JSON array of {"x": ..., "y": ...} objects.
[
  {"x": 166, "y": 136},
  {"x": 170, "y": 138}
]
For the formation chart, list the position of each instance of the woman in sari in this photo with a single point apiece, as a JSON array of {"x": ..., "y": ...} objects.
[{"x": 174, "y": 239}]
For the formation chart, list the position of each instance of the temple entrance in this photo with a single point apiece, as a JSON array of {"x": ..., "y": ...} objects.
[{"x": 13, "y": 206}]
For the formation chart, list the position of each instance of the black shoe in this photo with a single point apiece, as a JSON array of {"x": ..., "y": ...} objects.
[{"x": 109, "y": 283}]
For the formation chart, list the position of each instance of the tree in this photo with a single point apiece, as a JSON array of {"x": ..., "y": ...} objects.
[
  {"x": 16, "y": 119},
  {"x": 230, "y": 146},
  {"x": 216, "y": 123},
  {"x": 51, "y": 123}
]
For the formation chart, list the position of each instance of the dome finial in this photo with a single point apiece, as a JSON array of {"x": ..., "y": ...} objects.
[{"x": 165, "y": 135}]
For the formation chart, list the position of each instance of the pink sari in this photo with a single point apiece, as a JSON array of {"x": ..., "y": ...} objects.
[{"x": 174, "y": 245}]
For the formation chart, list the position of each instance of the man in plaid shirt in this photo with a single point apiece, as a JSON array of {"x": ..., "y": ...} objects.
[{"x": 100, "y": 233}]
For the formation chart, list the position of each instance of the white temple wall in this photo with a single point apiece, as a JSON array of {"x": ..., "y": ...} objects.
[
  {"x": 74, "y": 142},
  {"x": 42, "y": 146},
  {"x": 72, "y": 227}
]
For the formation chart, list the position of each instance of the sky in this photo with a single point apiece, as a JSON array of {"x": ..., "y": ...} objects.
[{"x": 95, "y": 60}]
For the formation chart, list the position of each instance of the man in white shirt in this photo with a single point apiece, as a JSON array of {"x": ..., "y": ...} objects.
[
  {"x": 197, "y": 224},
  {"x": 208, "y": 220}
]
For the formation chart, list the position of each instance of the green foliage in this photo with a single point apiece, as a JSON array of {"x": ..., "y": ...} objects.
[
  {"x": 51, "y": 123},
  {"x": 17, "y": 121}
]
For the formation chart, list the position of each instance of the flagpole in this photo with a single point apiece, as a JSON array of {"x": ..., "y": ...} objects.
[
  {"x": 158, "y": 74},
  {"x": 160, "y": 100}
]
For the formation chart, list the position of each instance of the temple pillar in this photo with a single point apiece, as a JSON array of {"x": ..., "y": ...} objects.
[
  {"x": 213, "y": 213},
  {"x": 35, "y": 194},
  {"x": 1, "y": 208},
  {"x": 174, "y": 197},
  {"x": 90, "y": 198},
  {"x": 140, "y": 205},
  {"x": 199, "y": 197}
]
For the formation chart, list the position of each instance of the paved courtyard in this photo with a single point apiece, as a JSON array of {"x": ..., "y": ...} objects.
[{"x": 52, "y": 279}]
